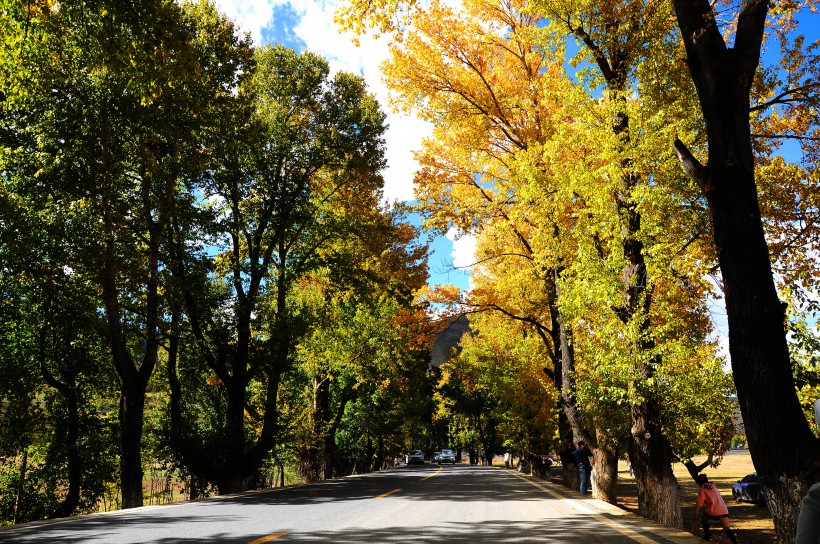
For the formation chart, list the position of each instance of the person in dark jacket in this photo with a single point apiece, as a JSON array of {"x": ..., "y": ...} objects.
[
  {"x": 583, "y": 458},
  {"x": 567, "y": 455}
]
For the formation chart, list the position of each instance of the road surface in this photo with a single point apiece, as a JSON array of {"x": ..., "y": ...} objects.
[{"x": 449, "y": 504}]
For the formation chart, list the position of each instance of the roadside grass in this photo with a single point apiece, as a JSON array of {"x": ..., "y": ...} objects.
[{"x": 752, "y": 523}]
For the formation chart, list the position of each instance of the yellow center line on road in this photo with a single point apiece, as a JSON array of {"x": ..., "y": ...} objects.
[
  {"x": 433, "y": 474},
  {"x": 626, "y": 531},
  {"x": 268, "y": 538},
  {"x": 383, "y": 495}
]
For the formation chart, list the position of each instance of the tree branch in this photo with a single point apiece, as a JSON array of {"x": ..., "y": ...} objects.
[
  {"x": 782, "y": 97},
  {"x": 691, "y": 165},
  {"x": 786, "y": 137}
]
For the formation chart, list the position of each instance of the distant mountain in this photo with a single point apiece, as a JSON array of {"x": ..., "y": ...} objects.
[{"x": 447, "y": 340}]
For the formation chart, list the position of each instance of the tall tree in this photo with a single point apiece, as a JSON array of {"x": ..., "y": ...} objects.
[
  {"x": 52, "y": 364},
  {"x": 110, "y": 115},
  {"x": 494, "y": 100},
  {"x": 724, "y": 75},
  {"x": 296, "y": 169},
  {"x": 366, "y": 326}
]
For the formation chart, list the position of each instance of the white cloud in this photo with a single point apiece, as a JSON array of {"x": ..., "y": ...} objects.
[
  {"x": 464, "y": 247},
  {"x": 250, "y": 15},
  {"x": 403, "y": 137},
  {"x": 321, "y": 35}
]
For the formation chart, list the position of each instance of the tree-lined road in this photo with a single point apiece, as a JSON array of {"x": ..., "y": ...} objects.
[{"x": 451, "y": 504}]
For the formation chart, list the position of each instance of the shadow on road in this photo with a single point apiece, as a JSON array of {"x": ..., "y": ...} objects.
[
  {"x": 557, "y": 531},
  {"x": 94, "y": 528},
  {"x": 458, "y": 483}
]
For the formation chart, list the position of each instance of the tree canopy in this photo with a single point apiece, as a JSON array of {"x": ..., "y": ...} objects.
[{"x": 199, "y": 272}]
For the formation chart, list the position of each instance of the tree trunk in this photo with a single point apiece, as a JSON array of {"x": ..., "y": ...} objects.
[
  {"x": 605, "y": 475},
  {"x": 193, "y": 489},
  {"x": 133, "y": 380},
  {"x": 572, "y": 479},
  {"x": 651, "y": 458},
  {"x": 651, "y": 445},
  {"x": 783, "y": 449},
  {"x": 235, "y": 471},
  {"x": 329, "y": 456},
  {"x": 658, "y": 491},
  {"x": 567, "y": 392},
  {"x": 369, "y": 450},
  {"x": 69, "y": 393},
  {"x": 309, "y": 464},
  {"x": 321, "y": 414},
  {"x": 604, "y": 470},
  {"x": 132, "y": 404},
  {"x": 21, "y": 488},
  {"x": 72, "y": 498},
  {"x": 329, "y": 440},
  {"x": 380, "y": 459}
]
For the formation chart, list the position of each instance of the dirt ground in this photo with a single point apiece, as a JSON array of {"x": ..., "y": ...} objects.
[{"x": 752, "y": 524}]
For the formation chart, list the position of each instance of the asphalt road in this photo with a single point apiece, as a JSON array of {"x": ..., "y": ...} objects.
[{"x": 449, "y": 504}]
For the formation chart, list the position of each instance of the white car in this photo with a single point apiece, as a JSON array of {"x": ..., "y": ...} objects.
[
  {"x": 414, "y": 457},
  {"x": 446, "y": 456}
]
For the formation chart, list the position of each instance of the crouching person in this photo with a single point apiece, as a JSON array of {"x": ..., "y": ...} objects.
[{"x": 710, "y": 506}]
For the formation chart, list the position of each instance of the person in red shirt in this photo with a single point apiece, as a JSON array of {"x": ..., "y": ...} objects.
[{"x": 710, "y": 506}]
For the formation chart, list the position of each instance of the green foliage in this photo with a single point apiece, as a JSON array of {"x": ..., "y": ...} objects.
[
  {"x": 498, "y": 383},
  {"x": 57, "y": 401},
  {"x": 804, "y": 346}
]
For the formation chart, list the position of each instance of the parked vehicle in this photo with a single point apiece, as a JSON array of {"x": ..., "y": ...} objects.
[
  {"x": 749, "y": 490},
  {"x": 414, "y": 457},
  {"x": 436, "y": 456},
  {"x": 446, "y": 456}
]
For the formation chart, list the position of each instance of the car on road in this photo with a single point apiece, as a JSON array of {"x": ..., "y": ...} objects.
[
  {"x": 434, "y": 459},
  {"x": 414, "y": 457},
  {"x": 749, "y": 489},
  {"x": 446, "y": 456}
]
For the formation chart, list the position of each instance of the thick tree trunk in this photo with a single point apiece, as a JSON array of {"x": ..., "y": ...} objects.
[
  {"x": 236, "y": 471},
  {"x": 605, "y": 470},
  {"x": 132, "y": 404},
  {"x": 133, "y": 379},
  {"x": 784, "y": 450},
  {"x": 329, "y": 456},
  {"x": 651, "y": 458},
  {"x": 311, "y": 465},
  {"x": 572, "y": 479},
  {"x": 650, "y": 451},
  {"x": 72, "y": 498},
  {"x": 761, "y": 363}
]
